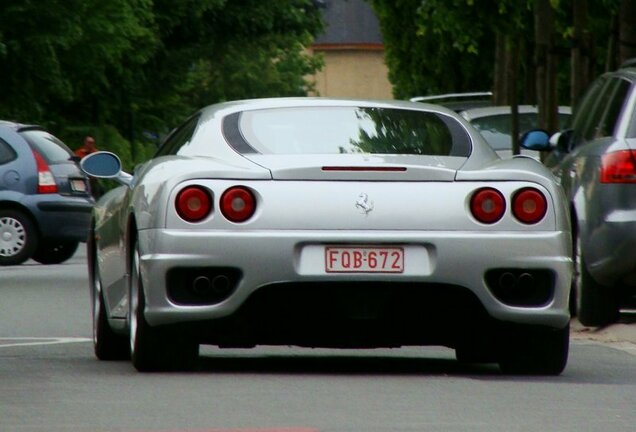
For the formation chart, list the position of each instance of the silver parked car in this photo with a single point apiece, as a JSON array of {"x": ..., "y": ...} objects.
[
  {"x": 330, "y": 223},
  {"x": 495, "y": 125},
  {"x": 595, "y": 161},
  {"x": 494, "y": 122}
]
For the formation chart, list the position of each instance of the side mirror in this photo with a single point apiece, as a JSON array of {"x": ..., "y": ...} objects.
[
  {"x": 562, "y": 140},
  {"x": 105, "y": 165},
  {"x": 535, "y": 139}
]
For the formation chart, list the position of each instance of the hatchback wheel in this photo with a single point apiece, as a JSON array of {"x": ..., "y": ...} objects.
[
  {"x": 154, "y": 349},
  {"x": 55, "y": 252},
  {"x": 596, "y": 304},
  {"x": 18, "y": 237}
]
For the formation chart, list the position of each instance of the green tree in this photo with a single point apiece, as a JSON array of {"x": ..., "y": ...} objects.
[
  {"x": 59, "y": 52},
  {"x": 436, "y": 46},
  {"x": 439, "y": 46},
  {"x": 216, "y": 50},
  {"x": 140, "y": 66}
]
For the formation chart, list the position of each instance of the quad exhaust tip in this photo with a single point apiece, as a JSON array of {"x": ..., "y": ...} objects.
[{"x": 219, "y": 285}]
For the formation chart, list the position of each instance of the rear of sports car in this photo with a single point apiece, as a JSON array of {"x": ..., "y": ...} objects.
[{"x": 372, "y": 243}]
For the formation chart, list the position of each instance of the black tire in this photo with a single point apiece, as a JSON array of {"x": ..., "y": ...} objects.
[
  {"x": 576, "y": 251},
  {"x": 18, "y": 237},
  {"x": 470, "y": 355},
  {"x": 596, "y": 305},
  {"x": 55, "y": 253},
  {"x": 475, "y": 349},
  {"x": 537, "y": 352},
  {"x": 107, "y": 344},
  {"x": 154, "y": 349}
]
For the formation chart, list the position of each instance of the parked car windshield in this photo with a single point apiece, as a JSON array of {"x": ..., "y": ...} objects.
[
  {"x": 51, "y": 148},
  {"x": 347, "y": 130},
  {"x": 496, "y": 129}
]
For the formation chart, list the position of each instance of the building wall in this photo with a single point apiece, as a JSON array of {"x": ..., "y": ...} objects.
[
  {"x": 353, "y": 73},
  {"x": 353, "y": 50}
]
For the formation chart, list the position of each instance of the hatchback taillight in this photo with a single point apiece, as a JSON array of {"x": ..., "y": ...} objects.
[
  {"x": 46, "y": 180},
  {"x": 487, "y": 205},
  {"x": 238, "y": 204},
  {"x": 193, "y": 203},
  {"x": 529, "y": 205},
  {"x": 619, "y": 167}
]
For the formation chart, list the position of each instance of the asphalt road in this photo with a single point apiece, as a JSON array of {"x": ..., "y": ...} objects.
[{"x": 50, "y": 381}]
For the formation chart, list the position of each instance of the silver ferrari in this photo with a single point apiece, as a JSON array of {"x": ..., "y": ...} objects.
[{"x": 330, "y": 223}]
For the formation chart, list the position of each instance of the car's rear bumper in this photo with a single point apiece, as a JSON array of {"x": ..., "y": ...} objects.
[
  {"x": 609, "y": 249},
  {"x": 285, "y": 258},
  {"x": 61, "y": 218}
]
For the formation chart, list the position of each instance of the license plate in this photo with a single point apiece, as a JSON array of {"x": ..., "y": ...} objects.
[
  {"x": 78, "y": 185},
  {"x": 364, "y": 259}
]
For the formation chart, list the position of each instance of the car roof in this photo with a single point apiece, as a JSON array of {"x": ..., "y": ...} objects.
[
  {"x": 458, "y": 101},
  {"x": 627, "y": 70},
  {"x": 474, "y": 113},
  {"x": 9, "y": 124},
  {"x": 18, "y": 126},
  {"x": 225, "y": 108}
]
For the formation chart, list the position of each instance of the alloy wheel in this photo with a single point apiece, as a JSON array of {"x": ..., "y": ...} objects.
[
  {"x": 97, "y": 304},
  {"x": 134, "y": 301},
  {"x": 576, "y": 276},
  {"x": 13, "y": 236}
]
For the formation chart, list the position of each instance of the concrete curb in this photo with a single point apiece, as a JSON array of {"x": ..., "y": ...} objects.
[{"x": 623, "y": 331}]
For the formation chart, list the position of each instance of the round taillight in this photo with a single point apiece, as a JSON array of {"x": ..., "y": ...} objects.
[
  {"x": 238, "y": 204},
  {"x": 487, "y": 205},
  {"x": 193, "y": 203},
  {"x": 529, "y": 205}
]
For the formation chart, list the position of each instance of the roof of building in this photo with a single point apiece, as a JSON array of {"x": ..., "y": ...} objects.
[{"x": 349, "y": 22}]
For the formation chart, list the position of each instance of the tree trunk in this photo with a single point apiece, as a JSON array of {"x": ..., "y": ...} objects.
[
  {"x": 542, "y": 32},
  {"x": 612, "y": 55},
  {"x": 500, "y": 93},
  {"x": 581, "y": 47},
  {"x": 512, "y": 69},
  {"x": 627, "y": 30},
  {"x": 552, "y": 103}
]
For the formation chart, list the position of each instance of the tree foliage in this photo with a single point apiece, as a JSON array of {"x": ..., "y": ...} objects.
[
  {"x": 439, "y": 46},
  {"x": 403, "y": 133},
  {"x": 139, "y": 66},
  {"x": 434, "y": 46}
]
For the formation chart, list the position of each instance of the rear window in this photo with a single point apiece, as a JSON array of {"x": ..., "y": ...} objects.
[
  {"x": 51, "y": 148},
  {"x": 346, "y": 130}
]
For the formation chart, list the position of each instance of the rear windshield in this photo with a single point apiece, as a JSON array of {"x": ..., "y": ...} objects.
[
  {"x": 51, "y": 148},
  {"x": 346, "y": 130}
]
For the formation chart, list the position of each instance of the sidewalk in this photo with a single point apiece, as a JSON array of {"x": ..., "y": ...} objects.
[{"x": 623, "y": 331}]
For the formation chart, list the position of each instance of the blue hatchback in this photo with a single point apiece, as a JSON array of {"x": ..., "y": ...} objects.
[{"x": 45, "y": 200}]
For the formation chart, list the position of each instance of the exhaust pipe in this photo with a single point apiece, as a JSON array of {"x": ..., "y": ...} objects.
[
  {"x": 525, "y": 282},
  {"x": 507, "y": 281},
  {"x": 218, "y": 286},
  {"x": 221, "y": 284},
  {"x": 201, "y": 285}
]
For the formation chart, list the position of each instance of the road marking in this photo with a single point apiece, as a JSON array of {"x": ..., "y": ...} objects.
[
  {"x": 8, "y": 342},
  {"x": 283, "y": 429}
]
